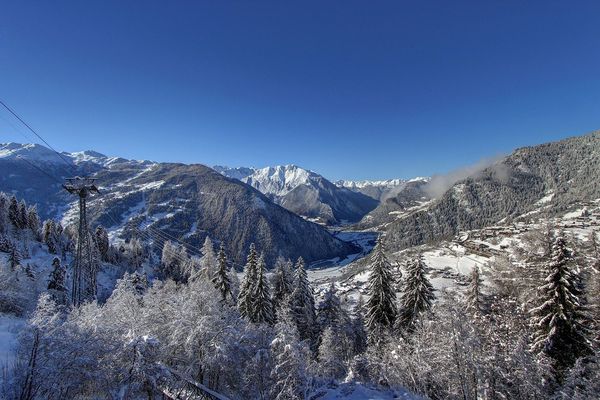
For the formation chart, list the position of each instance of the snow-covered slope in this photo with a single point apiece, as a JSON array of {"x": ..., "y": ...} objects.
[
  {"x": 305, "y": 192},
  {"x": 379, "y": 189},
  {"x": 187, "y": 202}
]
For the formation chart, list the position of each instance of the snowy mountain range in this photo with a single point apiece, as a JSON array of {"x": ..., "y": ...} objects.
[
  {"x": 155, "y": 201},
  {"x": 179, "y": 198},
  {"x": 305, "y": 193}
]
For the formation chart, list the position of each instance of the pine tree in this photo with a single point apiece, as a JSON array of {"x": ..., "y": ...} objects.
[
  {"x": 13, "y": 211},
  {"x": 172, "y": 262},
  {"x": 329, "y": 311},
  {"x": 136, "y": 252},
  {"x": 4, "y": 221},
  {"x": 331, "y": 356},
  {"x": 208, "y": 262},
  {"x": 22, "y": 218},
  {"x": 101, "y": 237},
  {"x": 221, "y": 278},
  {"x": 14, "y": 258},
  {"x": 474, "y": 295},
  {"x": 417, "y": 296},
  {"x": 381, "y": 306},
  {"x": 33, "y": 221},
  {"x": 302, "y": 304},
  {"x": 56, "y": 285},
  {"x": 49, "y": 236},
  {"x": 358, "y": 328},
  {"x": 281, "y": 282},
  {"x": 290, "y": 359},
  {"x": 560, "y": 321},
  {"x": 261, "y": 306},
  {"x": 248, "y": 283}
]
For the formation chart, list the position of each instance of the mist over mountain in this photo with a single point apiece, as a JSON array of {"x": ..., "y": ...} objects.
[{"x": 546, "y": 178}]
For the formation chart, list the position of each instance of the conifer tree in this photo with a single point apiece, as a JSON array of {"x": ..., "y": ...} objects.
[
  {"x": 417, "y": 296},
  {"x": 248, "y": 283},
  {"x": 290, "y": 359},
  {"x": 261, "y": 306},
  {"x": 208, "y": 261},
  {"x": 302, "y": 304},
  {"x": 4, "y": 221},
  {"x": 358, "y": 328},
  {"x": 49, "y": 236},
  {"x": 13, "y": 211},
  {"x": 56, "y": 284},
  {"x": 281, "y": 282},
  {"x": 474, "y": 295},
  {"x": 560, "y": 321},
  {"x": 381, "y": 310},
  {"x": 14, "y": 258},
  {"x": 221, "y": 278},
  {"x": 329, "y": 311},
  {"x": 331, "y": 356},
  {"x": 22, "y": 218},
  {"x": 101, "y": 237},
  {"x": 172, "y": 262},
  {"x": 33, "y": 221}
]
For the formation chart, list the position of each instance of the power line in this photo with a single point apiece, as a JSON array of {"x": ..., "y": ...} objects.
[{"x": 10, "y": 110}]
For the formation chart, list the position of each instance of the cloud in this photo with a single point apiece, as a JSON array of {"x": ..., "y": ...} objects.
[{"x": 439, "y": 184}]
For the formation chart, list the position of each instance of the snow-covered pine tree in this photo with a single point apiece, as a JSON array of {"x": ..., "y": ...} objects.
[
  {"x": 208, "y": 261},
  {"x": 331, "y": 355},
  {"x": 561, "y": 321},
  {"x": 136, "y": 253},
  {"x": 290, "y": 359},
  {"x": 14, "y": 258},
  {"x": 474, "y": 295},
  {"x": 49, "y": 236},
  {"x": 281, "y": 282},
  {"x": 302, "y": 304},
  {"x": 358, "y": 328},
  {"x": 221, "y": 278},
  {"x": 261, "y": 305},
  {"x": 172, "y": 262},
  {"x": 56, "y": 284},
  {"x": 101, "y": 237},
  {"x": 381, "y": 310},
  {"x": 248, "y": 283},
  {"x": 417, "y": 296},
  {"x": 329, "y": 310},
  {"x": 4, "y": 221},
  {"x": 235, "y": 284},
  {"x": 22, "y": 220},
  {"x": 13, "y": 211},
  {"x": 33, "y": 222}
]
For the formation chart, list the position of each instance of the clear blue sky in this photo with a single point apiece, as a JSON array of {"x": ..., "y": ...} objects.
[{"x": 351, "y": 89}]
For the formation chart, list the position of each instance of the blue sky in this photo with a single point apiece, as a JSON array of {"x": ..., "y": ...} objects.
[{"x": 351, "y": 89}]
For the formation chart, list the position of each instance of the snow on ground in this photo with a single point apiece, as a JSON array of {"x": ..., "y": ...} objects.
[
  {"x": 356, "y": 391},
  {"x": 326, "y": 269},
  {"x": 10, "y": 326},
  {"x": 450, "y": 262}
]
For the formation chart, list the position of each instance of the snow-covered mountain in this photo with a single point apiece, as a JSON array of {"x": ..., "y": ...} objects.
[
  {"x": 187, "y": 202},
  {"x": 545, "y": 180},
  {"x": 380, "y": 190},
  {"x": 305, "y": 192}
]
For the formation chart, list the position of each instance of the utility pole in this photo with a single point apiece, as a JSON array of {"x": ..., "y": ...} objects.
[{"x": 84, "y": 268}]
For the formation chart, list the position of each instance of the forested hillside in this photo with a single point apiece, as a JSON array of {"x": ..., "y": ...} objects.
[{"x": 552, "y": 175}]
